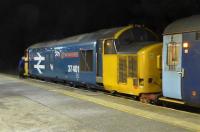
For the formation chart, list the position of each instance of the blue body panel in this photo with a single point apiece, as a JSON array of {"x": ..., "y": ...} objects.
[
  {"x": 191, "y": 65},
  {"x": 62, "y": 62},
  {"x": 171, "y": 85}
]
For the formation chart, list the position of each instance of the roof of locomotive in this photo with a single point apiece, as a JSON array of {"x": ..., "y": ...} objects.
[
  {"x": 188, "y": 24},
  {"x": 87, "y": 37}
]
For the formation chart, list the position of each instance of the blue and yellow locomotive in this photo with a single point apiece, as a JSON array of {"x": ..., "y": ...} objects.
[{"x": 125, "y": 59}]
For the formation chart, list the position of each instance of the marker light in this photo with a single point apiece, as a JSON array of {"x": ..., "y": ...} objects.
[
  {"x": 185, "y": 45},
  {"x": 108, "y": 44}
]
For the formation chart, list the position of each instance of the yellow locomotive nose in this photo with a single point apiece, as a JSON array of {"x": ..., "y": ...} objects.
[
  {"x": 134, "y": 74},
  {"x": 149, "y": 71},
  {"x": 133, "y": 63}
]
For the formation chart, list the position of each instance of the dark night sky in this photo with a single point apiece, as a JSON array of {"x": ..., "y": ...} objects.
[{"x": 24, "y": 22}]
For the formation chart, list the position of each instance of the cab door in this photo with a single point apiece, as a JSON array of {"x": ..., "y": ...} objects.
[
  {"x": 172, "y": 66},
  {"x": 99, "y": 58}
]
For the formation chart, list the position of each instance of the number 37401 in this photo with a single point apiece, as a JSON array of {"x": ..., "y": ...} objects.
[{"x": 73, "y": 68}]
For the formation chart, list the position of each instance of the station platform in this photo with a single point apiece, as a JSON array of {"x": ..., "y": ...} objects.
[{"x": 33, "y": 105}]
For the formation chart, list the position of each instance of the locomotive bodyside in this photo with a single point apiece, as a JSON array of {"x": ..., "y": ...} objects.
[
  {"x": 73, "y": 63},
  {"x": 72, "y": 59}
]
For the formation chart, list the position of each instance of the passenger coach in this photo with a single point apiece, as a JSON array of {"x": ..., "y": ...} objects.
[
  {"x": 181, "y": 61},
  {"x": 125, "y": 59}
]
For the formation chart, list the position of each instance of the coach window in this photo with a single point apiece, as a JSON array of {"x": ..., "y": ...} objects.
[
  {"x": 109, "y": 47},
  {"x": 86, "y": 60},
  {"x": 173, "y": 52}
]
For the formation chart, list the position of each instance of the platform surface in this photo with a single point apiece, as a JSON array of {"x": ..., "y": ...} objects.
[{"x": 32, "y": 105}]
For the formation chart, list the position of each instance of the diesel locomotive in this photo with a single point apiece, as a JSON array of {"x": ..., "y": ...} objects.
[{"x": 126, "y": 60}]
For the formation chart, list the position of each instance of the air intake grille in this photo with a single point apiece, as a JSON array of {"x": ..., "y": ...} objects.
[
  {"x": 132, "y": 66},
  {"x": 122, "y": 69}
]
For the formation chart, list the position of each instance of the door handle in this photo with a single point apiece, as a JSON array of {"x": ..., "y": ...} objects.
[{"x": 182, "y": 72}]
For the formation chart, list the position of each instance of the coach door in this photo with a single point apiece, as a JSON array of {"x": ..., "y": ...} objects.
[{"x": 172, "y": 70}]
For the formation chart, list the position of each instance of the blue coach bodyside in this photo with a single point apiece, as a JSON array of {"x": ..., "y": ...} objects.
[{"x": 181, "y": 64}]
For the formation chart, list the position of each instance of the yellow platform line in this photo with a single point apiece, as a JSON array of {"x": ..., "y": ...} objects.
[{"x": 130, "y": 110}]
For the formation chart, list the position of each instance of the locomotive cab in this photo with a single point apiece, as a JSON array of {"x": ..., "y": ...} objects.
[{"x": 132, "y": 62}]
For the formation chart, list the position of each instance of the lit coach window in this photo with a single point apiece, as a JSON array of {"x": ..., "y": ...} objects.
[{"x": 173, "y": 55}]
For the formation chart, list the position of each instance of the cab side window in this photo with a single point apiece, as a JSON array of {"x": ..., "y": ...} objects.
[{"x": 109, "y": 47}]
